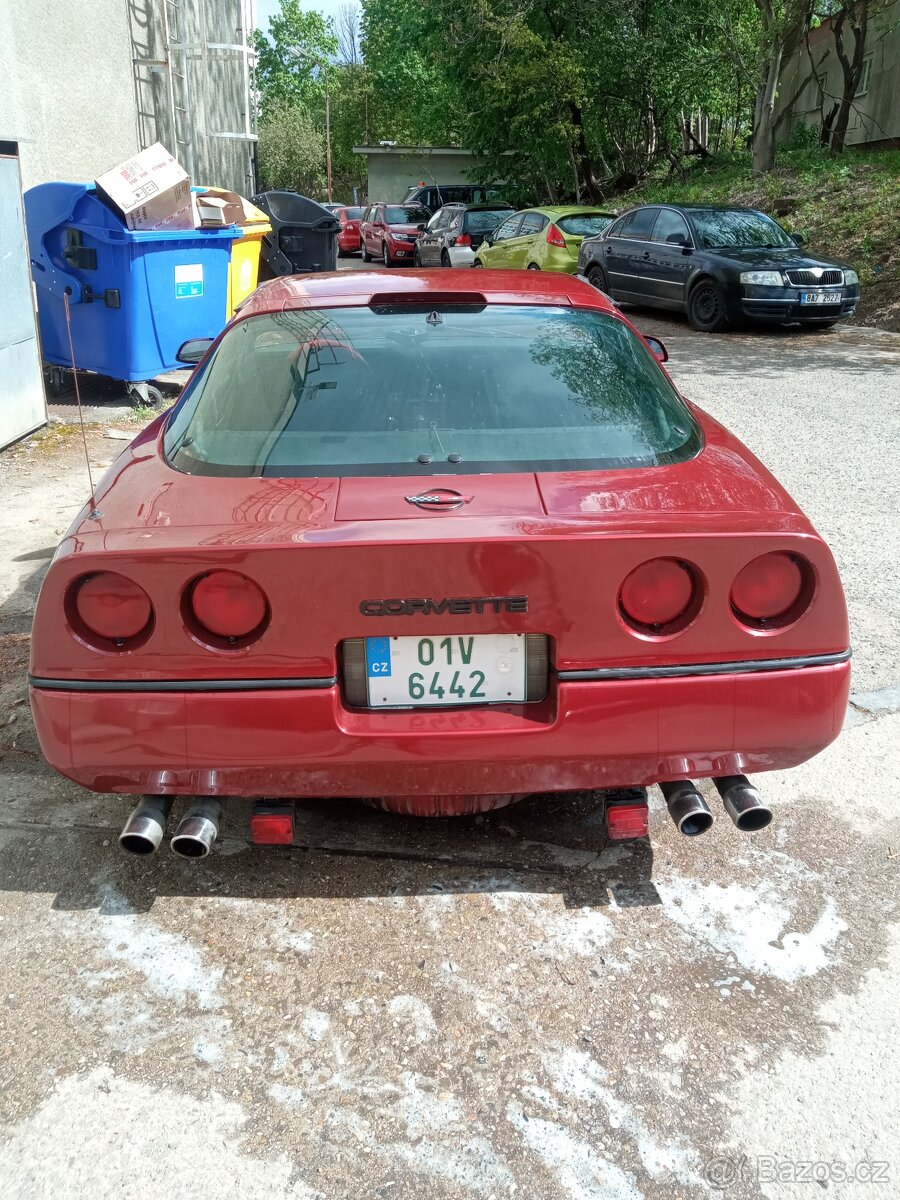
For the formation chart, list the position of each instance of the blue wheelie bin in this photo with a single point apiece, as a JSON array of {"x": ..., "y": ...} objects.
[{"x": 134, "y": 296}]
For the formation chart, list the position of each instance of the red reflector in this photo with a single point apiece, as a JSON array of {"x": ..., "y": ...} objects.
[
  {"x": 767, "y": 587},
  {"x": 228, "y": 604},
  {"x": 626, "y": 821},
  {"x": 464, "y": 239},
  {"x": 657, "y": 592},
  {"x": 272, "y": 827},
  {"x": 112, "y": 606},
  {"x": 555, "y": 238}
]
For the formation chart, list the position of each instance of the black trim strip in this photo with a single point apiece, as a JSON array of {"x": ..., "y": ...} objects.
[
  {"x": 723, "y": 668},
  {"x": 180, "y": 685}
]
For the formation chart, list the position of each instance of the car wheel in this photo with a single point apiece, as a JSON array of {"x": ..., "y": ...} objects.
[
  {"x": 363, "y": 252},
  {"x": 477, "y": 263},
  {"x": 533, "y": 267},
  {"x": 596, "y": 278},
  {"x": 385, "y": 255},
  {"x": 445, "y": 259},
  {"x": 417, "y": 262},
  {"x": 706, "y": 307},
  {"x": 343, "y": 253}
]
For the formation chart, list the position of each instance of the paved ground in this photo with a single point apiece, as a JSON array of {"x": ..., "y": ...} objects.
[{"x": 488, "y": 1008}]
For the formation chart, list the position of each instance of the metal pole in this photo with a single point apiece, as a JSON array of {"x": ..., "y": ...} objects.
[{"x": 327, "y": 131}]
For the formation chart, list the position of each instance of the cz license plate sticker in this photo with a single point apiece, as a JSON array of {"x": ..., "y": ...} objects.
[{"x": 436, "y": 672}]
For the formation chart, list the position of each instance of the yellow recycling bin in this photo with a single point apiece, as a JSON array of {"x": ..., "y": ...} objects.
[{"x": 243, "y": 270}]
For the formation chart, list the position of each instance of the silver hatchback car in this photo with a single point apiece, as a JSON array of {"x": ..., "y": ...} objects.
[{"x": 455, "y": 232}]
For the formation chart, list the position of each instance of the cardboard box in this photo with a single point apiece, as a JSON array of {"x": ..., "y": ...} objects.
[
  {"x": 221, "y": 207},
  {"x": 149, "y": 191}
]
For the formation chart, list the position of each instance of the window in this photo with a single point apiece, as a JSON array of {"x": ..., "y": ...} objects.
[
  {"x": 722, "y": 228},
  {"x": 406, "y": 214},
  {"x": 367, "y": 390},
  {"x": 637, "y": 224},
  {"x": 352, "y": 214},
  {"x": 865, "y": 75},
  {"x": 532, "y": 222},
  {"x": 584, "y": 224},
  {"x": 483, "y": 220},
  {"x": 507, "y": 229},
  {"x": 436, "y": 221},
  {"x": 671, "y": 228}
]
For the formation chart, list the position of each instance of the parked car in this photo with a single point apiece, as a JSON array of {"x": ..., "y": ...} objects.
[
  {"x": 719, "y": 266},
  {"x": 541, "y": 239},
  {"x": 434, "y": 195},
  {"x": 389, "y": 232},
  {"x": 455, "y": 232},
  {"x": 348, "y": 236},
  {"x": 439, "y": 553}
]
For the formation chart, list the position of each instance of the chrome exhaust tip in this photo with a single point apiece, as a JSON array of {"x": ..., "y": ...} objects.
[
  {"x": 197, "y": 830},
  {"x": 687, "y": 808},
  {"x": 143, "y": 831},
  {"x": 742, "y": 802}
]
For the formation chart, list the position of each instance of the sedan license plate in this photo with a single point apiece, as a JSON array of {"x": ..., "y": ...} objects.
[
  {"x": 818, "y": 298},
  {"x": 430, "y": 672}
]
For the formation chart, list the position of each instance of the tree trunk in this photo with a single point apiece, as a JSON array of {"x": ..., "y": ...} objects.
[
  {"x": 851, "y": 66},
  {"x": 764, "y": 115}
]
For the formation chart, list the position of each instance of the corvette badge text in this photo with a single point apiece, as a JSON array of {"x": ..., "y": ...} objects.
[{"x": 456, "y": 606}]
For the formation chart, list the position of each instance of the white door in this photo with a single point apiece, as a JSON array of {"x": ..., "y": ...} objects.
[{"x": 23, "y": 406}]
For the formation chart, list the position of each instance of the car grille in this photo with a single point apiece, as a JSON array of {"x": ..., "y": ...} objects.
[{"x": 814, "y": 278}]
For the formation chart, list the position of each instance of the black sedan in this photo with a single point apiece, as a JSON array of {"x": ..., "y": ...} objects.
[{"x": 717, "y": 265}]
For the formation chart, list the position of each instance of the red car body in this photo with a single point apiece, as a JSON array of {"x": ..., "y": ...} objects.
[
  {"x": 348, "y": 235},
  {"x": 393, "y": 242},
  {"x": 175, "y": 713}
]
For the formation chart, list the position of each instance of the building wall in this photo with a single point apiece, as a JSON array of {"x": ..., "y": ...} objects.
[
  {"x": 392, "y": 174},
  {"x": 66, "y": 87},
  {"x": 76, "y": 104},
  {"x": 875, "y": 116}
]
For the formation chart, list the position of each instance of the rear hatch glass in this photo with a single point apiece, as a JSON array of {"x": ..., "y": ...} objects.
[
  {"x": 409, "y": 390},
  {"x": 584, "y": 224}
]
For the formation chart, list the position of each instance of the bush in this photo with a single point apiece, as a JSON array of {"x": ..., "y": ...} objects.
[{"x": 291, "y": 151}]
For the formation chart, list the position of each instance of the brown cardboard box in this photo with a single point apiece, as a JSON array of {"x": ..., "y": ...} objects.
[{"x": 149, "y": 191}]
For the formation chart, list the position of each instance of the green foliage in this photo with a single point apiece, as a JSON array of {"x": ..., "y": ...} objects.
[
  {"x": 291, "y": 149},
  {"x": 283, "y": 75}
]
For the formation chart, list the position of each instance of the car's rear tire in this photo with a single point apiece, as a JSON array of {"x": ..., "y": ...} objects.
[
  {"x": 343, "y": 253},
  {"x": 386, "y": 256},
  {"x": 533, "y": 267},
  {"x": 706, "y": 307},
  {"x": 596, "y": 277},
  {"x": 417, "y": 262},
  {"x": 363, "y": 252},
  {"x": 445, "y": 259},
  {"x": 477, "y": 263}
]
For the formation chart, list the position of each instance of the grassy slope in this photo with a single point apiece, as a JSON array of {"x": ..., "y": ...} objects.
[{"x": 848, "y": 207}]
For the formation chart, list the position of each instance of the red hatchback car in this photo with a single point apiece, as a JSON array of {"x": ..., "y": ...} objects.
[
  {"x": 389, "y": 232},
  {"x": 348, "y": 235},
  {"x": 438, "y": 541}
]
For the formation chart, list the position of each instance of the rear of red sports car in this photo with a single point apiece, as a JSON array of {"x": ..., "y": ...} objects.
[{"x": 404, "y": 539}]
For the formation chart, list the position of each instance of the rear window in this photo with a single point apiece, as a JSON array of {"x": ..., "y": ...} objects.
[
  {"x": 485, "y": 219},
  {"x": 352, "y": 214},
  {"x": 584, "y": 224},
  {"x": 405, "y": 214},
  {"x": 419, "y": 391}
]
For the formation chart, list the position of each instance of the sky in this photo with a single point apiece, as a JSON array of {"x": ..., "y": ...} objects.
[{"x": 266, "y": 8}]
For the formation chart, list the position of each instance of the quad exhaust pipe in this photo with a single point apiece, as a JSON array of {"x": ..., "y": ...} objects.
[
  {"x": 742, "y": 802},
  {"x": 144, "y": 829},
  {"x": 687, "y": 808},
  {"x": 197, "y": 830}
]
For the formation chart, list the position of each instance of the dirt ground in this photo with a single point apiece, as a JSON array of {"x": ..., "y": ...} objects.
[{"x": 487, "y": 1007}]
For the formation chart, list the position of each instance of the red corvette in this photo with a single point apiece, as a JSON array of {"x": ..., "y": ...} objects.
[{"x": 441, "y": 543}]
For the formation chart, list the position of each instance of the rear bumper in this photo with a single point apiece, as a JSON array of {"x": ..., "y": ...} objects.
[
  {"x": 304, "y": 742},
  {"x": 348, "y": 242}
]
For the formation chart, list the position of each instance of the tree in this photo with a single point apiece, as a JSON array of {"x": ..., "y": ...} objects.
[
  {"x": 291, "y": 150},
  {"x": 783, "y": 24},
  {"x": 854, "y": 15},
  {"x": 282, "y": 73}
]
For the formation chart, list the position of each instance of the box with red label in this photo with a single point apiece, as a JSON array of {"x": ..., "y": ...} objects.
[{"x": 149, "y": 191}]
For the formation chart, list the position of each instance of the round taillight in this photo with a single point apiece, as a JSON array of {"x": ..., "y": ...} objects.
[
  {"x": 112, "y": 606},
  {"x": 657, "y": 593},
  {"x": 228, "y": 605},
  {"x": 769, "y": 587}
]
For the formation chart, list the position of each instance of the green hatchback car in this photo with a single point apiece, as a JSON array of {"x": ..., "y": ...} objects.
[{"x": 541, "y": 239}]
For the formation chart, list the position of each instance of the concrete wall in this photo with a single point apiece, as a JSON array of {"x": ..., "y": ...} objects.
[
  {"x": 75, "y": 103},
  {"x": 876, "y": 114},
  {"x": 66, "y": 87},
  {"x": 392, "y": 173}
]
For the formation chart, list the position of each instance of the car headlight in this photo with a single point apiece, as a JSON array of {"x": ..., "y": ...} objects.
[
  {"x": 851, "y": 277},
  {"x": 763, "y": 278}
]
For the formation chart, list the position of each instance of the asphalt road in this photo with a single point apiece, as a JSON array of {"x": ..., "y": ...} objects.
[{"x": 490, "y": 1008}]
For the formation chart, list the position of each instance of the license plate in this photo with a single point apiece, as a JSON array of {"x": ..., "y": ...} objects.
[
  {"x": 434, "y": 672},
  {"x": 818, "y": 298}
]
